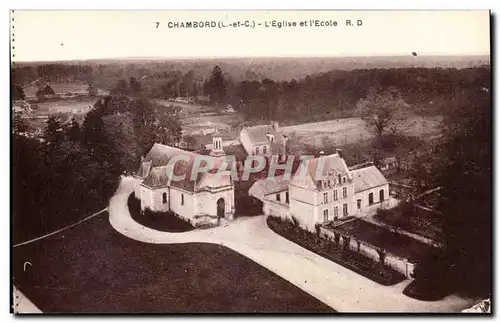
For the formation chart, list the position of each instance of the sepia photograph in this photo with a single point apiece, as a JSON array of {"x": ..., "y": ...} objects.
[{"x": 223, "y": 162}]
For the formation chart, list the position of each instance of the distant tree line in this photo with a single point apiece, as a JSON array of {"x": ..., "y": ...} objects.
[{"x": 331, "y": 94}]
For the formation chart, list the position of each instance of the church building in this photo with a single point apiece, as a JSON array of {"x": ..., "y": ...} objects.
[{"x": 202, "y": 199}]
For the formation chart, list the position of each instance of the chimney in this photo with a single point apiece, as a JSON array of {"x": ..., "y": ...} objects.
[{"x": 275, "y": 125}]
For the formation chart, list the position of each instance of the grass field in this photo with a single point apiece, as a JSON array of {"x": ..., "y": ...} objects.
[
  {"x": 348, "y": 130},
  {"x": 93, "y": 269},
  {"x": 62, "y": 88}
]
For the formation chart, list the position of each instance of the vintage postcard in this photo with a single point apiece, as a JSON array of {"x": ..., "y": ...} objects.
[{"x": 251, "y": 162}]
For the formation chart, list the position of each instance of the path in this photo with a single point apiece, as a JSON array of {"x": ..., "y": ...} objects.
[{"x": 329, "y": 282}]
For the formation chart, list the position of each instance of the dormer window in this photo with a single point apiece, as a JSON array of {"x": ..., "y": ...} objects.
[{"x": 271, "y": 137}]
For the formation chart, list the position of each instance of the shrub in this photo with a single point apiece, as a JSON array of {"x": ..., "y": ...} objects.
[
  {"x": 334, "y": 252},
  {"x": 162, "y": 221}
]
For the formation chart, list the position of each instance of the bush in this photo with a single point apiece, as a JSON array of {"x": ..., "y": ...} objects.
[
  {"x": 162, "y": 221},
  {"x": 334, "y": 252}
]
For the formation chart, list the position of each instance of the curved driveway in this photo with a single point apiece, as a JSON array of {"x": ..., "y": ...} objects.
[{"x": 334, "y": 285}]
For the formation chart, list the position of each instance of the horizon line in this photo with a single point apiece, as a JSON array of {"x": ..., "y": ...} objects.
[{"x": 177, "y": 58}]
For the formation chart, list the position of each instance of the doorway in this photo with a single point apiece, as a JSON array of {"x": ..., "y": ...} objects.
[{"x": 220, "y": 208}]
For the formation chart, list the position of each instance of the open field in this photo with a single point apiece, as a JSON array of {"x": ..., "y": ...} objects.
[
  {"x": 62, "y": 88},
  {"x": 74, "y": 106},
  {"x": 200, "y": 121},
  {"x": 348, "y": 130},
  {"x": 110, "y": 273}
]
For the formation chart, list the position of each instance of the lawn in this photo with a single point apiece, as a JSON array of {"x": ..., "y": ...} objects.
[
  {"x": 394, "y": 243},
  {"x": 92, "y": 268},
  {"x": 162, "y": 221},
  {"x": 414, "y": 219}
]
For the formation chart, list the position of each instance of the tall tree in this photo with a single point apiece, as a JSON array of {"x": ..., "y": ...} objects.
[
  {"x": 216, "y": 86},
  {"x": 135, "y": 87},
  {"x": 18, "y": 92},
  {"x": 92, "y": 90},
  {"x": 464, "y": 172},
  {"x": 381, "y": 110},
  {"x": 467, "y": 189}
]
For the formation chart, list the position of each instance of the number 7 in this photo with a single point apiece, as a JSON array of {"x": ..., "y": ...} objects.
[{"x": 157, "y": 24}]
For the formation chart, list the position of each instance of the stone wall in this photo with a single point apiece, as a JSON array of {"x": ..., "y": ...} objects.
[{"x": 399, "y": 264}]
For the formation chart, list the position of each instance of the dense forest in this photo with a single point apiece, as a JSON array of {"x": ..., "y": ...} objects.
[
  {"x": 75, "y": 169},
  {"x": 319, "y": 96}
]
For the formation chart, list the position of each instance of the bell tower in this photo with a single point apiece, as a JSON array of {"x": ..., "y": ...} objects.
[{"x": 217, "y": 150}]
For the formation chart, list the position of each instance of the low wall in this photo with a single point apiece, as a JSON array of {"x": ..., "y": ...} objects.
[
  {"x": 276, "y": 209},
  {"x": 204, "y": 221},
  {"x": 399, "y": 264}
]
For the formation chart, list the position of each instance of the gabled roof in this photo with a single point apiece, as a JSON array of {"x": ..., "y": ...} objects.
[
  {"x": 326, "y": 165},
  {"x": 366, "y": 178},
  {"x": 323, "y": 167},
  {"x": 144, "y": 169},
  {"x": 258, "y": 134},
  {"x": 267, "y": 186},
  {"x": 159, "y": 157}
]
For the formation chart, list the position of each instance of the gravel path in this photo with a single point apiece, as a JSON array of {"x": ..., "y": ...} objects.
[{"x": 336, "y": 286}]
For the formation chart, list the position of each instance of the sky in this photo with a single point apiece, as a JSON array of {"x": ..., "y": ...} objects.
[{"x": 76, "y": 35}]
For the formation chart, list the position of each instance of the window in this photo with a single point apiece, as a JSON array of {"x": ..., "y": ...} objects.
[
  {"x": 287, "y": 198},
  {"x": 164, "y": 198},
  {"x": 340, "y": 181},
  {"x": 264, "y": 150},
  {"x": 335, "y": 195},
  {"x": 257, "y": 150},
  {"x": 343, "y": 180},
  {"x": 345, "y": 209},
  {"x": 336, "y": 211},
  {"x": 182, "y": 199},
  {"x": 359, "y": 204},
  {"x": 278, "y": 198},
  {"x": 370, "y": 198},
  {"x": 325, "y": 197},
  {"x": 325, "y": 215},
  {"x": 381, "y": 193},
  {"x": 344, "y": 192}
]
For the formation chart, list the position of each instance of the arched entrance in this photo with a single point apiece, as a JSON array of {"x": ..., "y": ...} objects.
[{"x": 220, "y": 208}]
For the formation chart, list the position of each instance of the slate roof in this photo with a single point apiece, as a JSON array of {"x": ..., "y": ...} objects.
[
  {"x": 144, "y": 169},
  {"x": 267, "y": 186},
  {"x": 159, "y": 157},
  {"x": 366, "y": 178},
  {"x": 259, "y": 135},
  {"x": 329, "y": 163}
]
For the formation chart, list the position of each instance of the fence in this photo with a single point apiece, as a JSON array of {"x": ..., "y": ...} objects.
[{"x": 397, "y": 263}]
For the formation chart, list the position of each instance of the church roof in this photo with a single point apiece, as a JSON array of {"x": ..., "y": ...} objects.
[
  {"x": 366, "y": 178},
  {"x": 160, "y": 155}
]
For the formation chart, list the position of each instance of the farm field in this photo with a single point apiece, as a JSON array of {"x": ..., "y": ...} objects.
[
  {"x": 348, "y": 130},
  {"x": 200, "y": 121},
  {"x": 62, "y": 88}
]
